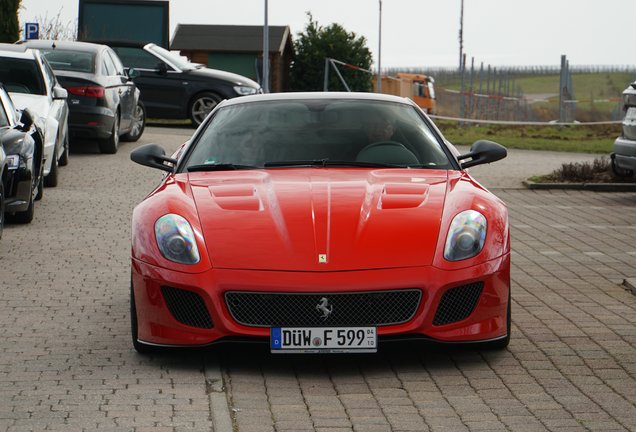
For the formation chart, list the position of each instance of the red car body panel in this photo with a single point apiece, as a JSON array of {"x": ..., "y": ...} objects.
[{"x": 263, "y": 231}]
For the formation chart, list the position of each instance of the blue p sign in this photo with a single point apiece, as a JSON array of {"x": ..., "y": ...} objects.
[{"x": 31, "y": 31}]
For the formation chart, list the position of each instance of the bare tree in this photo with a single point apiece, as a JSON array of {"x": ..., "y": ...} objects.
[{"x": 53, "y": 27}]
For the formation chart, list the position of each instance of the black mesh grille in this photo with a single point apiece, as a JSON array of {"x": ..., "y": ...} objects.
[
  {"x": 377, "y": 308},
  {"x": 458, "y": 303},
  {"x": 187, "y": 307}
]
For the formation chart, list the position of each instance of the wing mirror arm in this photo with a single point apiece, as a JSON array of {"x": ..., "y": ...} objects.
[
  {"x": 153, "y": 156},
  {"x": 482, "y": 152}
]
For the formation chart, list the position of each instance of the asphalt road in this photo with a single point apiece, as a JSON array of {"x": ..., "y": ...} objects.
[{"x": 67, "y": 364}]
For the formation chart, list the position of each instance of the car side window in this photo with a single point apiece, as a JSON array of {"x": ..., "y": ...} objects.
[
  {"x": 49, "y": 76},
  {"x": 137, "y": 58},
  {"x": 108, "y": 67},
  {"x": 119, "y": 68}
]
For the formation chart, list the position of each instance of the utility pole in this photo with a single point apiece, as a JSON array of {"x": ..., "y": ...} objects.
[
  {"x": 461, "y": 35},
  {"x": 265, "y": 84},
  {"x": 379, "y": 86}
]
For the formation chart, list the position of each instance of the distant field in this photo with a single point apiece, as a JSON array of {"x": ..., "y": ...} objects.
[{"x": 580, "y": 139}]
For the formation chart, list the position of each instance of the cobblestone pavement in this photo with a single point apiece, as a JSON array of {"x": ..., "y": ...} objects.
[{"x": 66, "y": 362}]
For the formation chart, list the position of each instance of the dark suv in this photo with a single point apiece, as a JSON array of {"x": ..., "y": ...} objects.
[{"x": 172, "y": 87}]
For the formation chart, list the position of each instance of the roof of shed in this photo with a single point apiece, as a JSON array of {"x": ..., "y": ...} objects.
[{"x": 229, "y": 38}]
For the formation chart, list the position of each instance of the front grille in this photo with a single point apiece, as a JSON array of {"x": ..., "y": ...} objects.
[
  {"x": 458, "y": 303},
  {"x": 377, "y": 308},
  {"x": 187, "y": 307}
]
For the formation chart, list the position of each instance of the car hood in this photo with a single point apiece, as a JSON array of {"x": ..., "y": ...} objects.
[
  {"x": 38, "y": 104},
  {"x": 320, "y": 219},
  {"x": 223, "y": 75}
]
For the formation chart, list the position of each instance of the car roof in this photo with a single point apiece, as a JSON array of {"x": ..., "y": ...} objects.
[
  {"x": 70, "y": 45},
  {"x": 291, "y": 96},
  {"x": 123, "y": 43},
  {"x": 17, "y": 51}
]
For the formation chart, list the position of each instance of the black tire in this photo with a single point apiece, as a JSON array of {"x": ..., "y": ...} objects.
[
  {"x": 64, "y": 158},
  {"x": 40, "y": 193},
  {"x": 139, "y": 124},
  {"x": 134, "y": 327},
  {"x": 201, "y": 106},
  {"x": 618, "y": 171},
  {"x": 1, "y": 207},
  {"x": 51, "y": 179},
  {"x": 110, "y": 145}
]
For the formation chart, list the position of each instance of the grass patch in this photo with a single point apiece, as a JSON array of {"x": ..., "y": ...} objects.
[{"x": 579, "y": 139}]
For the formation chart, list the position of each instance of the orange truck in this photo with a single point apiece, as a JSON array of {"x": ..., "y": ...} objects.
[{"x": 417, "y": 87}]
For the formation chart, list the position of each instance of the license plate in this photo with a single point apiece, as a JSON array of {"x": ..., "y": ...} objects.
[{"x": 323, "y": 339}]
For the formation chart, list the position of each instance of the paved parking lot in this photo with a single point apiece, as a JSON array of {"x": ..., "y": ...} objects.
[{"x": 66, "y": 362}]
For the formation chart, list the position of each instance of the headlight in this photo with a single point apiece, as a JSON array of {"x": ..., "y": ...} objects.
[
  {"x": 175, "y": 239},
  {"x": 466, "y": 236},
  {"x": 245, "y": 90},
  {"x": 13, "y": 162}
]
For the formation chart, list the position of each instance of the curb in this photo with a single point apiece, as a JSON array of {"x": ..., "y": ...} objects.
[
  {"x": 215, "y": 387},
  {"x": 597, "y": 187}
]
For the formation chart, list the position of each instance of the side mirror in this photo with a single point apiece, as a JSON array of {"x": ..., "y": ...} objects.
[
  {"x": 153, "y": 156},
  {"x": 26, "y": 118},
  {"x": 482, "y": 152},
  {"x": 59, "y": 93},
  {"x": 132, "y": 73},
  {"x": 162, "y": 68}
]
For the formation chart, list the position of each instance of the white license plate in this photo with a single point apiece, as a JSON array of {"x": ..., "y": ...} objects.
[{"x": 323, "y": 339}]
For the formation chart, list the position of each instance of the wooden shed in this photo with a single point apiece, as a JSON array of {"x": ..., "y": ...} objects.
[{"x": 238, "y": 49}]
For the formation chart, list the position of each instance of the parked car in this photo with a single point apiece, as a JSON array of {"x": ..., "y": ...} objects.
[
  {"x": 345, "y": 240},
  {"x": 3, "y": 170},
  {"x": 624, "y": 156},
  {"x": 103, "y": 99},
  {"x": 172, "y": 87},
  {"x": 32, "y": 84},
  {"x": 22, "y": 178}
]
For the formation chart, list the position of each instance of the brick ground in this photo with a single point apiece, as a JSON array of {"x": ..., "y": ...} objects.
[{"x": 66, "y": 362}]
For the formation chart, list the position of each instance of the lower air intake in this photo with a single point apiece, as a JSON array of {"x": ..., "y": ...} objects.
[
  {"x": 187, "y": 307},
  {"x": 458, "y": 303}
]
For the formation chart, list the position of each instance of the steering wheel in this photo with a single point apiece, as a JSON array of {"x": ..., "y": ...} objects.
[{"x": 387, "y": 152}]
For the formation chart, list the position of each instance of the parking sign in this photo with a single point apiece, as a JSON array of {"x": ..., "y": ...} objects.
[{"x": 31, "y": 31}]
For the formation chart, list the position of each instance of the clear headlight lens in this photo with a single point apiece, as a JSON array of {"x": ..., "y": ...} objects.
[
  {"x": 13, "y": 162},
  {"x": 245, "y": 90},
  {"x": 466, "y": 236},
  {"x": 175, "y": 239}
]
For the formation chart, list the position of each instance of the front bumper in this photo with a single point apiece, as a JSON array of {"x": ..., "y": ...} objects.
[
  {"x": 18, "y": 189},
  {"x": 158, "y": 326},
  {"x": 625, "y": 153}
]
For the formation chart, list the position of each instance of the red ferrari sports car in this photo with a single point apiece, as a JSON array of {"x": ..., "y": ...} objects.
[{"x": 319, "y": 222}]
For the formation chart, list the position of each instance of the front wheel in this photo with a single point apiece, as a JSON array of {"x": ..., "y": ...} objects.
[
  {"x": 51, "y": 179},
  {"x": 138, "y": 124},
  {"x": 110, "y": 144},
  {"x": 201, "y": 106}
]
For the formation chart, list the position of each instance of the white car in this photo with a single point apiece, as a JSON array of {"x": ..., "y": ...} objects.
[{"x": 30, "y": 81}]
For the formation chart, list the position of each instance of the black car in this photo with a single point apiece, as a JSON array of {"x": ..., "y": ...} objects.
[
  {"x": 102, "y": 97},
  {"x": 173, "y": 88},
  {"x": 22, "y": 178}
]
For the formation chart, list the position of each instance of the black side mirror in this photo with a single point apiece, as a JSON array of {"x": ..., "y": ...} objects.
[
  {"x": 131, "y": 73},
  {"x": 482, "y": 152},
  {"x": 162, "y": 68},
  {"x": 59, "y": 93},
  {"x": 153, "y": 156},
  {"x": 26, "y": 118}
]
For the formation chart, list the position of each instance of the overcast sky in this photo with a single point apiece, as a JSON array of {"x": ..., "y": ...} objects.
[{"x": 425, "y": 32}]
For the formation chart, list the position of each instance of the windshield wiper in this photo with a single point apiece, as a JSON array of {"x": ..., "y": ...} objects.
[
  {"x": 323, "y": 163},
  {"x": 219, "y": 167}
]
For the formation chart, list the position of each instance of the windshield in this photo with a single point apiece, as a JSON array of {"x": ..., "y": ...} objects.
[
  {"x": 318, "y": 133},
  {"x": 172, "y": 58}
]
